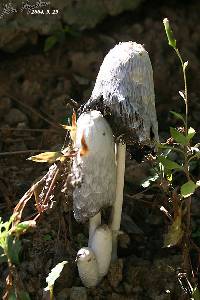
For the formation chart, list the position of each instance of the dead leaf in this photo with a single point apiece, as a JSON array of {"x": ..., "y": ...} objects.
[
  {"x": 175, "y": 232},
  {"x": 49, "y": 157},
  {"x": 72, "y": 128}
]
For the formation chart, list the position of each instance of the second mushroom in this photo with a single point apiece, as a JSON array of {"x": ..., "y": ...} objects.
[{"x": 122, "y": 99}]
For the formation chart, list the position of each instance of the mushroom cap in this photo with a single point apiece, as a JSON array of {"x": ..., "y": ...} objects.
[
  {"x": 87, "y": 267},
  {"x": 124, "y": 93},
  {"x": 93, "y": 173},
  {"x": 102, "y": 247}
]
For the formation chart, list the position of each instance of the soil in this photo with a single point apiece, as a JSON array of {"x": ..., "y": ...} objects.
[{"x": 35, "y": 92}]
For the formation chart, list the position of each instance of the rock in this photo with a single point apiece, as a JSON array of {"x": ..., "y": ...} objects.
[
  {"x": 5, "y": 105},
  {"x": 136, "y": 172},
  {"x": 157, "y": 280},
  {"x": 15, "y": 116},
  {"x": 64, "y": 294},
  {"x": 78, "y": 292},
  {"x": 129, "y": 226},
  {"x": 32, "y": 91},
  {"x": 86, "y": 13},
  {"x": 163, "y": 297},
  {"x": 115, "y": 273},
  {"x": 58, "y": 109},
  {"x": 18, "y": 29},
  {"x": 85, "y": 64}
]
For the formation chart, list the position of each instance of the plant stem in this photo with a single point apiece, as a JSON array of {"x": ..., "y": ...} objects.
[
  {"x": 51, "y": 292},
  {"x": 186, "y": 168},
  {"x": 185, "y": 90}
]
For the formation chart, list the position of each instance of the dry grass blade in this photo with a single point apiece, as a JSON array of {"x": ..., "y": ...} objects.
[
  {"x": 23, "y": 201},
  {"x": 34, "y": 111}
]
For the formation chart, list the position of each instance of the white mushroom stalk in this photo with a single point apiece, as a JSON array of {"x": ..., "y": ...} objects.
[
  {"x": 94, "y": 222},
  {"x": 94, "y": 179},
  {"x": 117, "y": 206},
  {"x": 124, "y": 93}
]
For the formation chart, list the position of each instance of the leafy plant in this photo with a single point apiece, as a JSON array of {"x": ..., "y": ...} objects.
[
  {"x": 10, "y": 247},
  {"x": 53, "y": 276},
  {"x": 174, "y": 157},
  {"x": 58, "y": 37}
]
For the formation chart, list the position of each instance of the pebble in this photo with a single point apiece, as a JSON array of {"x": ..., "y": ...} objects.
[
  {"x": 78, "y": 292},
  {"x": 115, "y": 273},
  {"x": 5, "y": 105},
  {"x": 64, "y": 294},
  {"x": 15, "y": 116}
]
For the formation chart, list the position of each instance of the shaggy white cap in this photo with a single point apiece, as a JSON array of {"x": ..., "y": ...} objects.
[{"x": 125, "y": 85}]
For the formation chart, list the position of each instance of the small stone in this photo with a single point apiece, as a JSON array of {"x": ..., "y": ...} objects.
[
  {"x": 128, "y": 287},
  {"x": 115, "y": 274},
  {"x": 5, "y": 105},
  {"x": 64, "y": 294},
  {"x": 78, "y": 292},
  {"x": 163, "y": 297},
  {"x": 15, "y": 116}
]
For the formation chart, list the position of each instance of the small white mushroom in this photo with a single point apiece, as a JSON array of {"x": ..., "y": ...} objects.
[
  {"x": 101, "y": 244},
  {"x": 124, "y": 93},
  {"x": 87, "y": 267}
]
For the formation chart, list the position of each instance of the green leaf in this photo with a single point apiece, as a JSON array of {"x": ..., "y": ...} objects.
[
  {"x": 49, "y": 157},
  {"x": 169, "y": 176},
  {"x": 47, "y": 237},
  {"x": 13, "y": 248},
  {"x": 22, "y": 295},
  {"x": 175, "y": 233},
  {"x": 177, "y": 116},
  {"x": 191, "y": 133},
  {"x": 54, "y": 274},
  {"x": 149, "y": 180},
  {"x": 196, "y": 293},
  {"x": 12, "y": 295},
  {"x": 169, "y": 33},
  {"x": 178, "y": 136},
  {"x": 169, "y": 164},
  {"x": 3, "y": 257},
  {"x": 24, "y": 226},
  {"x": 50, "y": 42},
  {"x": 188, "y": 188}
]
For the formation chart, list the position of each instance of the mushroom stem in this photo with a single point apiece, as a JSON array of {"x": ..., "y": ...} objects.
[
  {"x": 117, "y": 206},
  {"x": 94, "y": 222}
]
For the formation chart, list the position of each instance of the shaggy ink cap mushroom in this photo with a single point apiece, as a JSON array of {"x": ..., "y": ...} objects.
[
  {"x": 93, "y": 172},
  {"x": 124, "y": 93}
]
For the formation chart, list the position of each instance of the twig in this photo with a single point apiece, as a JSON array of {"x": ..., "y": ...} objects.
[
  {"x": 33, "y": 111},
  {"x": 21, "y": 152},
  {"x": 27, "y": 129}
]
